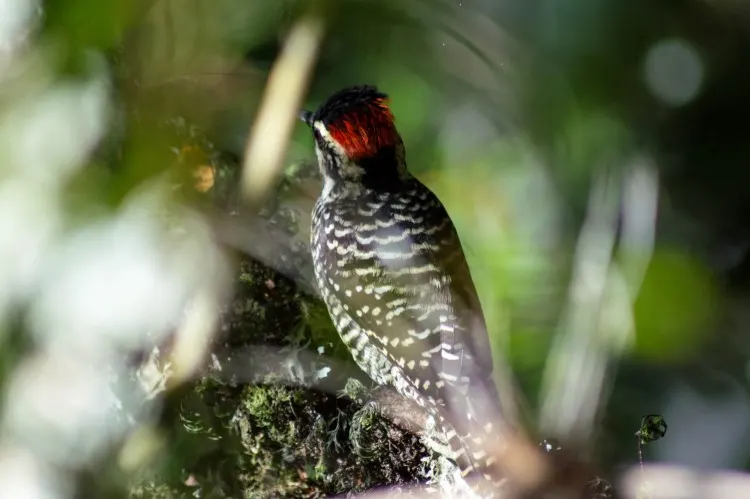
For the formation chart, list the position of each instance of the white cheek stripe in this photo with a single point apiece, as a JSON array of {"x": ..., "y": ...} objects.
[
  {"x": 348, "y": 169},
  {"x": 327, "y": 181},
  {"x": 330, "y": 140}
]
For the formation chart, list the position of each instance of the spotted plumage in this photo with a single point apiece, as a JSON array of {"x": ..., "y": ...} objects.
[{"x": 391, "y": 270}]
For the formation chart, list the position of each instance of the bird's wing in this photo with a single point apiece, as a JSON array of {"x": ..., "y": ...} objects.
[{"x": 402, "y": 277}]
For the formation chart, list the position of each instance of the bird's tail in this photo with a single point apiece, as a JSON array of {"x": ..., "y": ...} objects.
[{"x": 475, "y": 429}]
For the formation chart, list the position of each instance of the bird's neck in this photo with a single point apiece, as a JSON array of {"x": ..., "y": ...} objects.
[
  {"x": 343, "y": 189},
  {"x": 384, "y": 172}
]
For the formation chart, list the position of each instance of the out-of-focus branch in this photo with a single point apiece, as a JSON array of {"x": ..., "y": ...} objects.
[
  {"x": 296, "y": 367},
  {"x": 639, "y": 209},
  {"x": 598, "y": 320},
  {"x": 280, "y": 106},
  {"x": 576, "y": 367},
  {"x": 261, "y": 240},
  {"x": 667, "y": 481},
  {"x": 655, "y": 482}
]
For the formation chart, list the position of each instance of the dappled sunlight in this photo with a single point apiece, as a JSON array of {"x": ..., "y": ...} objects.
[{"x": 162, "y": 332}]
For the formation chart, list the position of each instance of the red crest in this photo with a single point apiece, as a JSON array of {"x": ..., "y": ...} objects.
[{"x": 365, "y": 129}]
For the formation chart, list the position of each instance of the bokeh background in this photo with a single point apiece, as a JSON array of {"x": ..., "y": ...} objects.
[{"x": 160, "y": 333}]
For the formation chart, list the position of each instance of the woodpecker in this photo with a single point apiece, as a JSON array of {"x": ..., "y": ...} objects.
[{"x": 390, "y": 267}]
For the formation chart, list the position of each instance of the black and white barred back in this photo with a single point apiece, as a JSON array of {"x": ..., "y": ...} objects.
[{"x": 391, "y": 270}]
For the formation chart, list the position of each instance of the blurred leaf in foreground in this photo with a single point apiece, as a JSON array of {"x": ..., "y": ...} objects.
[{"x": 672, "y": 312}]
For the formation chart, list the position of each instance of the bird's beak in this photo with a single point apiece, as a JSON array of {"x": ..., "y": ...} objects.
[{"x": 306, "y": 117}]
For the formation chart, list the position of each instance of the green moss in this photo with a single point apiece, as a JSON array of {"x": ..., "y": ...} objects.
[
  {"x": 355, "y": 390},
  {"x": 318, "y": 329},
  {"x": 271, "y": 440},
  {"x": 362, "y": 429}
]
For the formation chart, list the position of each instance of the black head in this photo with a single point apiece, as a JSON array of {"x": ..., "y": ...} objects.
[{"x": 356, "y": 137}]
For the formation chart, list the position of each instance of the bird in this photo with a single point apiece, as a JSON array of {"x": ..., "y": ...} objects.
[{"x": 390, "y": 267}]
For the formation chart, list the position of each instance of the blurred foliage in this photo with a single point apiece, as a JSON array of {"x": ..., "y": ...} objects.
[{"x": 509, "y": 110}]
